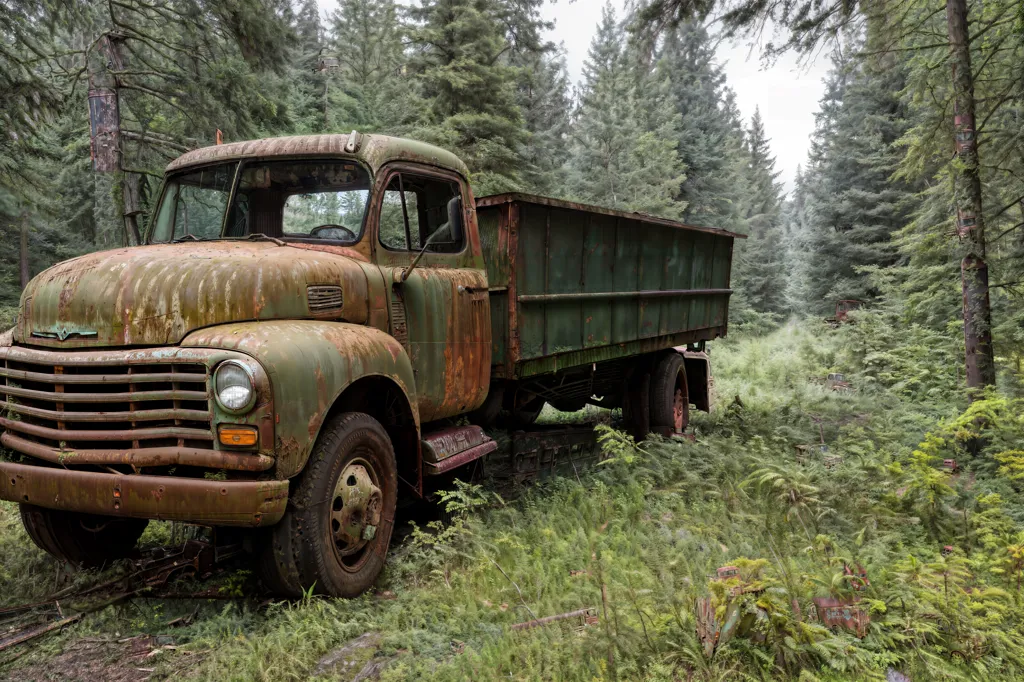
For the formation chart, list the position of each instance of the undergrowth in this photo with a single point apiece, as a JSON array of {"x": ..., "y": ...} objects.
[{"x": 787, "y": 480}]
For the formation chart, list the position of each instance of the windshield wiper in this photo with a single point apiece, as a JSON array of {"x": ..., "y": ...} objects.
[
  {"x": 189, "y": 236},
  {"x": 260, "y": 237}
]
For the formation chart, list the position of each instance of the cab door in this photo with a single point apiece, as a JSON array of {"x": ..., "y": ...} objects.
[{"x": 439, "y": 312}]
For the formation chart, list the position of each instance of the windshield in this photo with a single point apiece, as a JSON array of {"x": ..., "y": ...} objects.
[{"x": 291, "y": 200}]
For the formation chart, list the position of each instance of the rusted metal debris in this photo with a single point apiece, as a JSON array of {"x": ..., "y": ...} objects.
[
  {"x": 843, "y": 309},
  {"x": 556, "y": 451},
  {"x": 586, "y": 617}
]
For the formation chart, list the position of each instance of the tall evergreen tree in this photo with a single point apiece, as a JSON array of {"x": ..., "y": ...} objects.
[
  {"x": 761, "y": 271},
  {"x": 460, "y": 46},
  {"x": 624, "y": 151},
  {"x": 372, "y": 90},
  {"x": 854, "y": 202},
  {"x": 708, "y": 143},
  {"x": 310, "y": 95},
  {"x": 544, "y": 98}
]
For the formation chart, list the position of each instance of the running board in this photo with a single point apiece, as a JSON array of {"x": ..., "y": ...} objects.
[{"x": 453, "y": 447}]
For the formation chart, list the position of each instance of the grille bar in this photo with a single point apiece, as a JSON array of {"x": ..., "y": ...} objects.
[
  {"x": 133, "y": 378},
  {"x": 141, "y": 415},
  {"x": 147, "y": 407},
  {"x": 105, "y": 397},
  {"x": 105, "y": 435},
  {"x": 143, "y": 457}
]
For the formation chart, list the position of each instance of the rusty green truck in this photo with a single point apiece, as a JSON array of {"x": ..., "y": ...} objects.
[{"x": 289, "y": 349}]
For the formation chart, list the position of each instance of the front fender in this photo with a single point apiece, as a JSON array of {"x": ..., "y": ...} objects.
[{"x": 310, "y": 363}]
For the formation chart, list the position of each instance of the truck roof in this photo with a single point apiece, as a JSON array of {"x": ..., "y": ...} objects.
[
  {"x": 512, "y": 197},
  {"x": 374, "y": 150}
]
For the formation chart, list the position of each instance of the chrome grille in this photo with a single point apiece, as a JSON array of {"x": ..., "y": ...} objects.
[{"x": 106, "y": 405}]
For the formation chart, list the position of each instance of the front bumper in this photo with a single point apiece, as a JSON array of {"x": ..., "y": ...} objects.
[{"x": 169, "y": 498}]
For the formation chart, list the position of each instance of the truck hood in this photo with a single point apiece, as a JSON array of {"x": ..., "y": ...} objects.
[{"x": 155, "y": 295}]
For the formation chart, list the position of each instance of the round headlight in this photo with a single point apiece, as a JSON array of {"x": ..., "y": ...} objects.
[{"x": 233, "y": 386}]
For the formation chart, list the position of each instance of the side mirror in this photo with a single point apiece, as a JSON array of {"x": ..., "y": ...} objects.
[{"x": 455, "y": 219}]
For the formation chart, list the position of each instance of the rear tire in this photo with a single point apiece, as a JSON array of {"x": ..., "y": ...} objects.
[
  {"x": 670, "y": 399},
  {"x": 335, "y": 535},
  {"x": 85, "y": 540}
]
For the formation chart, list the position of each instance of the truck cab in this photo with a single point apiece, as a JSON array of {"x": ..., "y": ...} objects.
[{"x": 285, "y": 354}]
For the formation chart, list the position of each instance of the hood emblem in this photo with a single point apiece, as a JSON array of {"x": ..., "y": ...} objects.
[{"x": 63, "y": 333}]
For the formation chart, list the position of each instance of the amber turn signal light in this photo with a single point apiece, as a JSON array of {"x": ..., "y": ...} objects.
[{"x": 237, "y": 436}]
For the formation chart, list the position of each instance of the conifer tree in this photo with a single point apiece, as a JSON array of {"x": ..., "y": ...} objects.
[
  {"x": 310, "y": 96},
  {"x": 855, "y": 201},
  {"x": 760, "y": 276},
  {"x": 372, "y": 90},
  {"x": 624, "y": 146},
  {"x": 544, "y": 98},
  {"x": 708, "y": 145},
  {"x": 460, "y": 46}
]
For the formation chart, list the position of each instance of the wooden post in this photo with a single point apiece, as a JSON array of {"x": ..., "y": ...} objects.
[{"x": 970, "y": 227}]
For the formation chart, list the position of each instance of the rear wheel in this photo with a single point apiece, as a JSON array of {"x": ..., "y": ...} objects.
[
  {"x": 670, "y": 399},
  {"x": 336, "y": 533},
  {"x": 84, "y": 540}
]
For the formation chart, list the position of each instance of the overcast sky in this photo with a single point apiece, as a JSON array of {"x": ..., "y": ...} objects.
[{"x": 786, "y": 93}]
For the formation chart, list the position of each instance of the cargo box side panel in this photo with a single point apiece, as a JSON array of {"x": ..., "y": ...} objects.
[
  {"x": 531, "y": 272},
  {"x": 721, "y": 279},
  {"x": 582, "y": 285},
  {"x": 625, "y": 313},
  {"x": 565, "y": 232},
  {"x": 598, "y": 275}
]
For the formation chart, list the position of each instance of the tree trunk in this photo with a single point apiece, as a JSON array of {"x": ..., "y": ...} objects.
[
  {"x": 26, "y": 275},
  {"x": 107, "y": 141},
  {"x": 970, "y": 227}
]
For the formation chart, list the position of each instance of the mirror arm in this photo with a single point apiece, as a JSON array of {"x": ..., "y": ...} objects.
[{"x": 408, "y": 271}]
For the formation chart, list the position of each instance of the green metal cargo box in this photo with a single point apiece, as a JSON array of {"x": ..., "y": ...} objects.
[{"x": 572, "y": 284}]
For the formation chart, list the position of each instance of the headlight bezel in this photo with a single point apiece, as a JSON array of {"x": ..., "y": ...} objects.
[{"x": 247, "y": 371}]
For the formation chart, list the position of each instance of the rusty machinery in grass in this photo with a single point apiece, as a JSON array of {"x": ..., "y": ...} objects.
[{"x": 289, "y": 349}]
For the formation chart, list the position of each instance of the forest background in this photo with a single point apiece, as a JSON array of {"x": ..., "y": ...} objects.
[{"x": 875, "y": 214}]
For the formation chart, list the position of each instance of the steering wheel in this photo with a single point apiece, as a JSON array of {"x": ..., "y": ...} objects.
[{"x": 331, "y": 231}]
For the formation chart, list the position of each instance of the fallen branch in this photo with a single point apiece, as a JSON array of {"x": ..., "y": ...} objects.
[
  {"x": 547, "y": 620},
  {"x": 25, "y": 636},
  {"x": 525, "y": 605}
]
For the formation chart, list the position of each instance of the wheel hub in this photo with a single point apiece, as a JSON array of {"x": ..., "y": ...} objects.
[{"x": 355, "y": 508}]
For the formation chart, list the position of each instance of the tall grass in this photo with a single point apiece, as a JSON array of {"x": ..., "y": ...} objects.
[{"x": 637, "y": 538}]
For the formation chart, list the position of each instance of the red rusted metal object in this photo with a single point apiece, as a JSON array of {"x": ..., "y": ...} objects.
[
  {"x": 842, "y": 613},
  {"x": 454, "y": 447},
  {"x": 843, "y": 309}
]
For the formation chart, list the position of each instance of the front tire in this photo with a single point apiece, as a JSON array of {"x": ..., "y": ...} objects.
[
  {"x": 335, "y": 534},
  {"x": 85, "y": 540}
]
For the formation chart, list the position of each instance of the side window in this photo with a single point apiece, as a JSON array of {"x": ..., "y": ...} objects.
[{"x": 431, "y": 206}]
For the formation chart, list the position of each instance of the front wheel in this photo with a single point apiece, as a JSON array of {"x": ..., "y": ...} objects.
[
  {"x": 85, "y": 540},
  {"x": 336, "y": 532}
]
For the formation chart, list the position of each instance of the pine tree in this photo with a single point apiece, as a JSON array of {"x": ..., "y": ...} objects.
[
  {"x": 698, "y": 91},
  {"x": 543, "y": 95},
  {"x": 760, "y": 277},
  {"x": 310, "y": 96},
  {"x": 471, "y": 89},
  {"x": 372, "y": 90},
  {"x": 624, "y": 147},
  {"x": 855, "y": 205}
]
